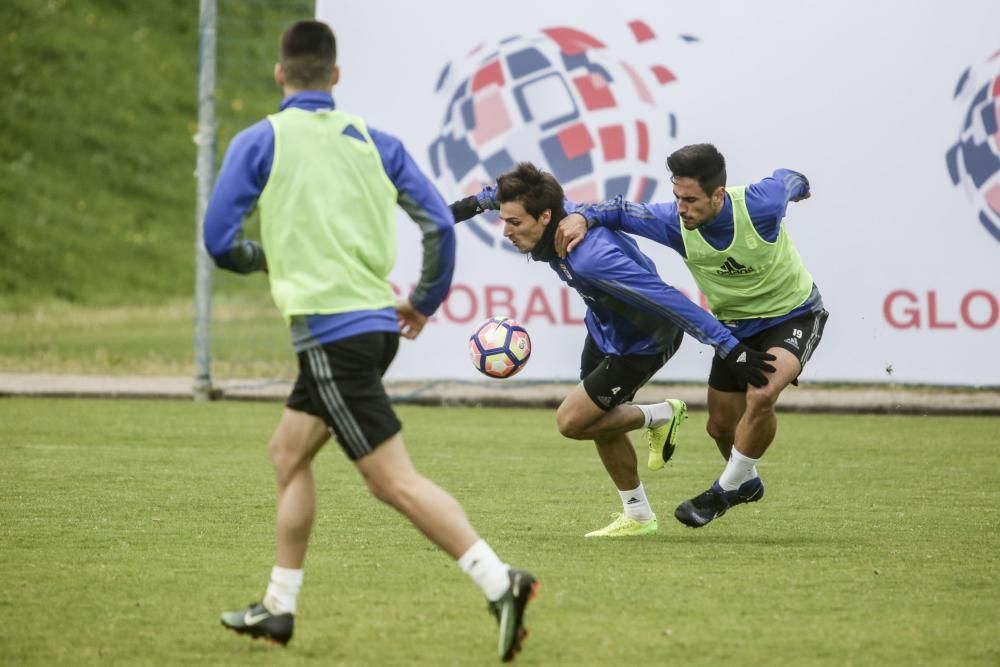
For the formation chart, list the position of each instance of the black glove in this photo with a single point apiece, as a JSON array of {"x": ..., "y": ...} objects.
[
  {"x": 466, "y": 208},
  {"x": 748, "y": 364}
]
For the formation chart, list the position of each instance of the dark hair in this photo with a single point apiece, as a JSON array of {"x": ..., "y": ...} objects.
[
  {"x": 535, "y": 189},
  {"x": 308, "y": 54},
  {"x": 702, "y": 162}
]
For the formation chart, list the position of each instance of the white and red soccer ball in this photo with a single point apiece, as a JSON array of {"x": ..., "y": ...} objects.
[{"x": 499, "y": 347}]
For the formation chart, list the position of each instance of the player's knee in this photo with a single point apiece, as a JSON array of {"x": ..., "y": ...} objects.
[
  {"x": 569, "y": 425},
  {"x": 396, "y": 491},
  {"x": 720, "y": 432},
  {"x": 569, "y": 430},
  {"x": 381, "y": 490},
  {"x": 285, "y": 459},
  {"x": 762, "y": 399}
]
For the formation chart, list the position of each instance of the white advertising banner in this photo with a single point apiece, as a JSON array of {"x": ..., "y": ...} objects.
[{"x": 891, "y": 109}]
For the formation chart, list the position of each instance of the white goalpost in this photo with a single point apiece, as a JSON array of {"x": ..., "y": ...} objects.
[{"x": 204, "y": 168}]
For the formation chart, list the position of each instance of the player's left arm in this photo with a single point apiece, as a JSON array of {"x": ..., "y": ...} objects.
[
  {"x": 486, "y": 200},
  {"x": 471, "y": 206},
  {"x": 767, "y": 200},
  {"x": 424, "y": 204}
]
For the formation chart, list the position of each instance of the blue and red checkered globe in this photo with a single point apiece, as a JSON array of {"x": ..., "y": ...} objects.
[
  {"x": 560, "y": 99},
  {"x": 974, "y": 160}
]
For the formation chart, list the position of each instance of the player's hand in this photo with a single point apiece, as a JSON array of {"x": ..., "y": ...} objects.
[
  {"x": 411, "y": 321},
  {"x": 463, "y": 209},
  {"x": 748, "y": 364},
  {"x": 805, "y": 196},
  {"x": 569, "y": 233}
]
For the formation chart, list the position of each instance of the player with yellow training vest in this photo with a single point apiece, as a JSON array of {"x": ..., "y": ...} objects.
[
  {"x": 751, "y": 278},
  {"x": 327, "y": 188},
  {"x": 743, "y": 261},
  {"x": 319, "y": 258}
]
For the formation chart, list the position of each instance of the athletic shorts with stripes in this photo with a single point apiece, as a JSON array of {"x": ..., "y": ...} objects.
[
  {"x": 799, "y": 335},
  {"x": 611, "y": 380},
  {"x": 341, "y": 383}
]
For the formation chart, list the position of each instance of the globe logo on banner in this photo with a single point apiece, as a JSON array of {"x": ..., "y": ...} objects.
[
  {"x": 562, "y": 99},
  {"x": 974, "y": 160}
]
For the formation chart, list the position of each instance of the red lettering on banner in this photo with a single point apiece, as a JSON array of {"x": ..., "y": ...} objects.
[
  {"x": 466, "y": 303},
  {"x": 567, "y": 318},
  {"x": 472, "y": 305},
  {"x": 992, "y": 304},
  {"x": 493, "y": 301},
  {"x": 978, "y": 309},
  {"x": 538, "y": 297},
  {"x": 912, "y": 314},
  {"x": 932, "y": 312}
]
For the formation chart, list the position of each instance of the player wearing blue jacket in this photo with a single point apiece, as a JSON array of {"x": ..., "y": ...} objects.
[
  {"x": 744, "y": 262},
  {"x": 327, "y": 188},
  {"x": 635, "y": 323}
]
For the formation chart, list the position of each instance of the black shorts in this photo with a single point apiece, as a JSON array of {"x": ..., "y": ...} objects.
[
  {"x": 341, "y": 383},
  {"x": 799, "y": 335},
  {"x": 611, "y": 380}
]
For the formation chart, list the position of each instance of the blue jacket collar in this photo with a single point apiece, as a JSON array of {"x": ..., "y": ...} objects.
[{"x": 310, "y": 100}]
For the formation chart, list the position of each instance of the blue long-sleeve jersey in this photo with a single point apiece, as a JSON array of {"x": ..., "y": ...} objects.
[
  {"x": 630, "y": 309},
  {"x": 766, "y": 203},
  {"x": 242, "y": 178}
]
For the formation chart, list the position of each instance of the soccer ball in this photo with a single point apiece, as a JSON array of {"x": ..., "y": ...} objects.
[{"x": 500, "y": 347}]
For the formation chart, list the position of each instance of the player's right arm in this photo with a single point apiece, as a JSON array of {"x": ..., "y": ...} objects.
[
  {"x": 657, "y": 222},
  {"x": 244, "y": 173}
]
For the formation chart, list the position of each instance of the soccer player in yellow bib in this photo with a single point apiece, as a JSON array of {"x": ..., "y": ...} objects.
[
  {"x": 744, "y": 262},
  {"x": 327, "y": 187}
]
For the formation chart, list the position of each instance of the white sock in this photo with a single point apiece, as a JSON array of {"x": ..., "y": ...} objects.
[
  {"x": 485, "y": 568},
  {"x": 739, "y": 469},
  {"x": 283, "y": 590},
  {"x": 636, "y": 505},
  {"x": 656, "y": 414}
]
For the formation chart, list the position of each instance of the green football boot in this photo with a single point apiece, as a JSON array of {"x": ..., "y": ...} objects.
[
  {"x": 624, "y": 526},
  {"x": 662, "y": 440}
]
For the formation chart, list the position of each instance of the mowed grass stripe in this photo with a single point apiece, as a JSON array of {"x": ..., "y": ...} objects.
[{"x": 127, "y": 526}]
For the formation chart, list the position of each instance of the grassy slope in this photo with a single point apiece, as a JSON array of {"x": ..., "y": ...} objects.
[
  {"x": 98, "y": 111},
  {"x": 129, "y": 525}
]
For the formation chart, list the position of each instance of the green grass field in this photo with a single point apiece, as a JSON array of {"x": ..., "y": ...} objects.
[{"x": 128, "y": 526}]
